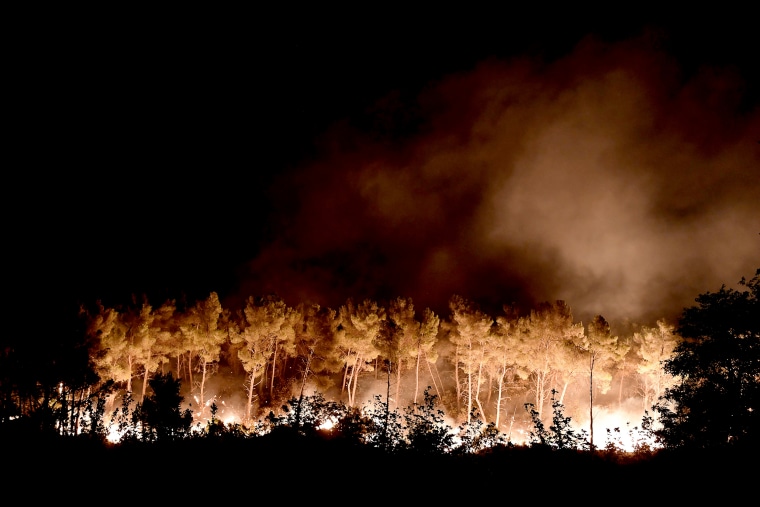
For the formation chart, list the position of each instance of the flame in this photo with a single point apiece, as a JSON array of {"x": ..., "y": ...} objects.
[
  {"x": 328, "y": 425},
  {"x": 114, "y": 435},
  {"x": 619, "y": 433}
]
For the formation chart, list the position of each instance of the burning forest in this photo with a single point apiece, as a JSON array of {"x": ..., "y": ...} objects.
[
  {"x": 248, "y": 362},
  {"x": 424, "y": 240},
  {"x": 383, "y": 384}
]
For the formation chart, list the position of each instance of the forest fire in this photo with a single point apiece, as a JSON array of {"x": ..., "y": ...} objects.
[
  {"x": 444, "y": 272},
  {"x": 572, "y": 381},
  {"x": 521, "y": 379},
  {"x": 240, "y": 368}
]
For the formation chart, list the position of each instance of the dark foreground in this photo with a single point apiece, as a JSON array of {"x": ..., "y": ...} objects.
[{"x": 293, "y": 469}]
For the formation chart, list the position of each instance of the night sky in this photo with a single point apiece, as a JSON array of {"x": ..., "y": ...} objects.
[{"x": 612, "y": 164}]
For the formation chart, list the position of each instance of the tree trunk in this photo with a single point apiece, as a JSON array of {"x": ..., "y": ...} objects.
[
  {"x": 306, "y": 371},
  {"x": 351, "y": 381},
  {"x": 387, "y": 408},
  {"x": 417, "y": 376},
  {"x": 564, "y": 390},
  {"x": 620, "y": 389},
  {"x": 469, "y": 397},
  {"x": 303, "y": 387},
  {"x": 398, "y": 381},
  {"x": 456, "y": 380},
  {"x": 355, "y": 375},
  {"x": 541, "y": 381},
  {"x": 345, "y": 372},
  {"x": 250, "y": 395},
  {"x": 500, "y": 384},
  {"x": 433, "y": 376},
  {"x": 477, "y": 392},
  {"x": 203, "y": 387},
  {"x": 591, "y": 403},
  {"x": 469, "y": 384},
  {"x": 129, "y": 374},
  {"x": 274, "y": 363},
  {"x": 146, "y": 373},
  {"x": 190, "y": 369}
]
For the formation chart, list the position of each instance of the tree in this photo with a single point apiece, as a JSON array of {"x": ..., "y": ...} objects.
[
  {"x": 547, "y": 339},
  {"x": 560, "y": 434},
  {"x": 504, "y": 356},
  {"x": 470, "y": 334},
  {"x": 602, "y": 350},
  {"x": 426, "y": 427},
  {"x": 204, "y": 339},
  {"x": 283, "y": 338},
  {"x": 52, "y": 383},
  {"x": 161, "y": 413},
  {"x": 315, "y": 329},
  {"x": 315, "y": 338},
  {"x": 359, "y": 326},
  {"x": 265, "y": 321},
  {"x": 716, "y": 396},
  {"x": 119, "y": 336},
  {"x": 426, "y": 338},
  {"x": 655, "y": 345}
]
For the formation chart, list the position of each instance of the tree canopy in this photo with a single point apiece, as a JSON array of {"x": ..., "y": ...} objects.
[{"x": 716, "y": 398}]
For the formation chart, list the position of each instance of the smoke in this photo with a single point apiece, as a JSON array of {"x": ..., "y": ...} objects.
[{"x": 611, "y": 178}]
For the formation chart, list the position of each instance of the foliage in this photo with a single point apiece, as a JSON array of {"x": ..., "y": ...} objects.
[
  {"x": 218, "y": 429},
  {"x": 640, "y": 439},
  {"x": 93, "y": 423},
  {"x": 386, "y": 431},
  {"x": 214, "y": 427},
  {"x": 716, "y": 396},
  {"x": 476, "y": 436},
  {"x": 426, "y": 428},
  {"x": 654, "y": 345},
  {"x": 353, "y": 426},
  {"x": 124, "y": 421},
  {"x": 560, "y": 434},
  {"x": 308, "y": 414},
  {"x": 161, "y": 415},
  {"x": 315, "y": 416}
]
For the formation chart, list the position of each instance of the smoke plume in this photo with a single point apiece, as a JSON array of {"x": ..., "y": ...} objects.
[{"x": 610, "y": 178}]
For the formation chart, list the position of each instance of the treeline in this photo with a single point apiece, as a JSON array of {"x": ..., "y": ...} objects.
[
  {"x": 55, "y": 419},
  {"x": 474, "y": 362}
]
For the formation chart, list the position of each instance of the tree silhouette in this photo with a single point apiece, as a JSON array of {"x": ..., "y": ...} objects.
[
  {"x": 161, "y": 414},
  {"x": 716, "y": 398},
  {"x": 426, "y": 427}
]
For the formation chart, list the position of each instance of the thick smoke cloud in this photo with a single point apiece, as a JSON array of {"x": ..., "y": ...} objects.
[{"x": 611, "y": 178}]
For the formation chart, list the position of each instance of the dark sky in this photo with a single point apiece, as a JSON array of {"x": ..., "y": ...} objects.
[{"x": 613, "y": 164}]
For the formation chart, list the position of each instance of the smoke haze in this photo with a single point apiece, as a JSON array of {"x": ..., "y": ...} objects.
[{"x": 611, "y": 178}]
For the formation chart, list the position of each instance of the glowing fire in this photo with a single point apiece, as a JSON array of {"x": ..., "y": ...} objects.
[
  {"x": 328, "y": 425},
  {"x": 615, "y": 428},
  {"x": 114, "y": 435}
]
